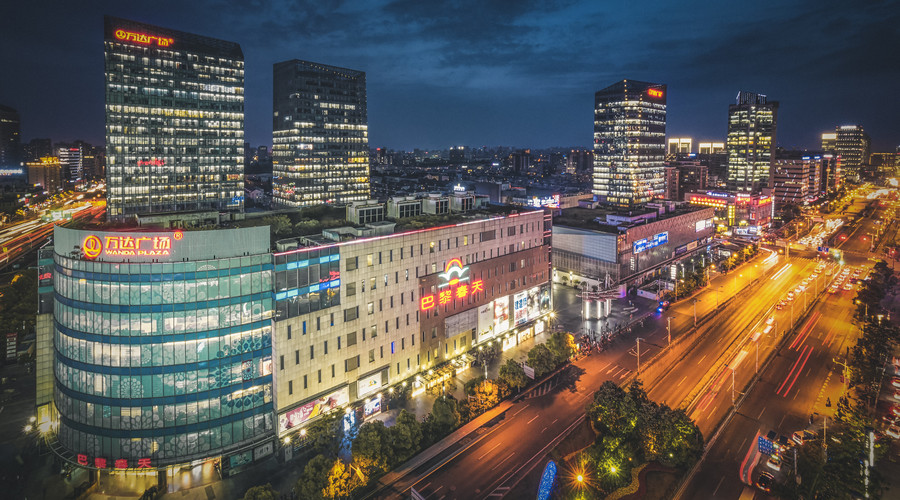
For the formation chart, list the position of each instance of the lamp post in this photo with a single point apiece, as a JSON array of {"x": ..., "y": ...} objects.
[
  {"x": 695, "y": 310},
  {"x": 639, "y": 354},
  {"x": 732, "y": 386},
  {"x": 669, "y": 329}
]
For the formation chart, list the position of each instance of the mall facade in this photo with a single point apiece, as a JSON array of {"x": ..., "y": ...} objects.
[{"x": 174, "y": 348}]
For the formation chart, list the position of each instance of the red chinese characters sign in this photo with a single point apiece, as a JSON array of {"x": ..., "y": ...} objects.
[
  {"x": 128, "y": 246},
  {"x": 456, "y": 286},
  {"x": 119, "y": 463},
  {"x": 142, "y": 38},
  {"x": 654, "y": 92}
]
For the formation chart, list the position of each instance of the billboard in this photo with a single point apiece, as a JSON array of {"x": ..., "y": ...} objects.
[
  {"x": 520, "y": 308},
  {"x": 486, "y": 321},
  {"x": 501, "y": 315},
  {"x": 299, "y": 416},
  {"x": 368, "y": 384},
  {"x": 648, "y": 243}
]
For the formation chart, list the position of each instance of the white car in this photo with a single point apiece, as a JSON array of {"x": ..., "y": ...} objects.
[
  {"x": 774, "y": 463},
  {"x": 771, "y": 320},
  {"x": 893, "y": 431},
  {"x": 895, "y": 382},
  {"x": 848, "y": 286}
]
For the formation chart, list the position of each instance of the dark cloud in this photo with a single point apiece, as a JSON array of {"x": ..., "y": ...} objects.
[{"x": 494, "y": 72}]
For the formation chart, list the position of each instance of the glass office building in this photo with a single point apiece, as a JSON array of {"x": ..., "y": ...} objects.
[
  {"x": 163, "y": 344},
  {"x": 630, "y": 143},
  {"x": 751, "y": 142},
  {"x": 320, "y": 151},
  {"x": 174, "y": 121}
]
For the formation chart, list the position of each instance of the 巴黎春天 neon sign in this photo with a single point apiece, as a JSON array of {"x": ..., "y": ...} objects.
[
  {"x": 128, "y": 246},
  {"x": 142, "y": 38},
  {"x": 455, "y": 285}
]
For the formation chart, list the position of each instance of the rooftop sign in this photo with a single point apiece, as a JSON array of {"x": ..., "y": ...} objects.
[{"x": 142, "y": 38}]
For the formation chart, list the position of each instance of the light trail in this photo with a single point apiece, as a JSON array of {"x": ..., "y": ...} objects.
[
  {"x": 798, "y": 372},
  {"x": 781, "y": 271},
  {"x": 806, "y": 329},
  {"x": 792, "y": 370}
]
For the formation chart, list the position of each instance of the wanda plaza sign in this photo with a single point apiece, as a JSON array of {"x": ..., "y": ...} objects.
[{"x": 94, "y": 246}]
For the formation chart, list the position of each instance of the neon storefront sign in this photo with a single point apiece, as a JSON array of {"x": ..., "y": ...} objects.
[
  {"x": 142, "y": 38},
  {"x": 456, "y": 285},
  {"x": 648, "y": 243},
  {"x": 128, "y": 246},
  {"x": 119, "y": 463},
  {"x": 151, "y": 163}
]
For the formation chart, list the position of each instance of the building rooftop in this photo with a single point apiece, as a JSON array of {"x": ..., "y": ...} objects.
[{"x": 596, "y": 218}]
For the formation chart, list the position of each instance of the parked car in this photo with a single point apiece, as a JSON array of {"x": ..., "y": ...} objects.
[
  {"x": 801, "y": 437},
  {"x": 895, "y": 382},
  {"x": 774, "y": 462}
]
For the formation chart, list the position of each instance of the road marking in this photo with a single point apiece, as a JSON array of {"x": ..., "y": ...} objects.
[
  {"x": 611, "y": 369},
  {"x": 625, "y": 373},
  {"x": 782, "y": 420},
  {"x": 701, "y": 359},
  {"x": 534, "y": 418},
  {"x": 485, "y": 453},
  {"x": 682, "y": 380},
  {"x": 718, "y": 485},
  {"x": 554, "y": 421},
  {"x": 523, "y": 409},
  {"x": 760, "y": 414},
  {"x": 544, "y": 429},
  {"x": 504, "y": 460}
]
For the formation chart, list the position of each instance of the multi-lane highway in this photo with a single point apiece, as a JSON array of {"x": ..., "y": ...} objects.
[
  {"x": 799, "y": 383},
  {"x": 496, "y": 458}
]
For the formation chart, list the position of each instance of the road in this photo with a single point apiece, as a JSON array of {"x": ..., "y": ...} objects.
[
  {"x": 497, "y": 458},
  {"x": 798, "y": 383}
]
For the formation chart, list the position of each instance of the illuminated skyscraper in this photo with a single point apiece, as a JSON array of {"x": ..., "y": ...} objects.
[
  {"x": 751, "y": 141},
  {"x": 320, "y": 150},
  {"x": 630, "y": 143},
  {"x": 174, "y": 121},
  {"x": 852, "y": 144},
  {"x": 9, "y": 137}
]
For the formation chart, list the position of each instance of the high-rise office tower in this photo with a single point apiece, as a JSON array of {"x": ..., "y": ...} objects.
[
  {"x": 680, "y": 146},
  {"x": 852, "y": 144},
  {"x": 174, "y": 121},
  {"x": 320, "y": 151},
  {"x": 829, "y": 140},
  {"x": 9, "y": 137},
  {"x": 630, "y": 143},
  {"x": 72, "y": 160},
  {"x": 751, "y": 141}
]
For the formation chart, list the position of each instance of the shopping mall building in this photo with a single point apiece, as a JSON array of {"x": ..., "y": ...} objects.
[{"x": 170, "y": 349}]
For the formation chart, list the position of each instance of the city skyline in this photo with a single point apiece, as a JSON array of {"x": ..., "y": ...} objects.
[{"x": 516, "y": 75}]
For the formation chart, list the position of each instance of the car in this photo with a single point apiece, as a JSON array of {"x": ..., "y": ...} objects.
[
  {"x": 764, "y": 481},
  {"x": 803, "y": 436},
  {"x": 893, "y": 431},
  {"x": 774, "y": 462},
  {"x": 790, "y": 296},
  {"x": 780, "y": 305},
  {"x": 897, "y": 395},
  {"x": 895, "y": 410},
  {"x": 895, "y": 381},
  {"x": 771, "y": 319},
  {"x": 833, "y": 289},
  {"x": 848, "y": 286}
]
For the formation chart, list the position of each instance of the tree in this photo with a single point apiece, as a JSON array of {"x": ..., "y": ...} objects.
[
  {"x": 324, "y": 435},
  {"x": 485, "y": 397},
  {"x": 265, "y": 492},
  {"x": 445, "y": 414},
  {"x": 406, "y": 436},
  {"x": 541, "y": 359},
  {"x": 373, "y": 442},
  {"x": 613, "y": 411},
  {"x": 343, "y": 479},
  {"x": 513, "y": 374},
  {"x": 314, "y": 478},
  {"x": 562, "y": 346},
  {"x": 279, "y": 225}
]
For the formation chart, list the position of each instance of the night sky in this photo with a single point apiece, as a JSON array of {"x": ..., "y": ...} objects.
[{"x": 518, "y": 73}]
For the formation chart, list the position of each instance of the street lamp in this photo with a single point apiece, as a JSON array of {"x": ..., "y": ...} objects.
[
  {"x": 669, "y": 329},
  {"x": 639, "y": 354}
]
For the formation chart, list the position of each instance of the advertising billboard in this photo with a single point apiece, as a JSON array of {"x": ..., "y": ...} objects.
[
  {"x": 520, "y": 308},
  {"x": 314, "y": 408},
  {"x": 368, "y": 384},
  {"x": 486, "y": 321},
  {"x": 648, "y": 243},
  {"x": 501, "y": 315}
]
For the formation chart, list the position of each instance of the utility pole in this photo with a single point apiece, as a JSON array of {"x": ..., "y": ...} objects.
[
  {"x": 669, "y": 330},
  {"x": 639, "y": 354},
  {"x": 695, "y": 311}
]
